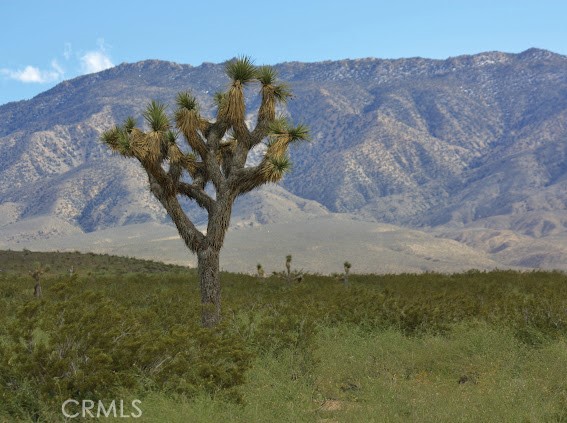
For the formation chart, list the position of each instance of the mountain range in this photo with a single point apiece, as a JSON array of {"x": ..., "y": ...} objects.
[{"x": 464, "y": 156}]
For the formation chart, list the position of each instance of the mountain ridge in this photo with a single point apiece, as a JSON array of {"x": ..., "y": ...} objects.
[{"x": 472, "y": 141}]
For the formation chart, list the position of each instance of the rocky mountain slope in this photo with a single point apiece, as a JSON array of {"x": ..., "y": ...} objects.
[
  {"x": 427, "y": 143},
  {"x": 472, "y": 149}
]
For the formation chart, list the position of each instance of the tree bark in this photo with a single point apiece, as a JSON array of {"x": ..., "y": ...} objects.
[
  {"x": 208, "y": 268},
  {"x": 37, "y": 290}
]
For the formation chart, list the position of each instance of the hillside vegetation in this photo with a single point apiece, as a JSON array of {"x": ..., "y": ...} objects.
[
  {"x": 63, "y": 262},
  {"x": 474, "y": 346}
]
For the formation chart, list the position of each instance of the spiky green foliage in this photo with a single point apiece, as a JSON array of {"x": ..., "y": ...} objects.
[
  {"x": 187, "y": 101},
  {"x": 274, "y": 168},
  {"x": 219, "y": 98},
  {"x": 282, "y": 92},
  {"x": 129, "y": 124},
  {"x": 241, "y": 70},
  {"x": 189, "y": 122},
  {"x": 170, "y": 136},
  {"x": 298, "y": 133},
  {"x": 123, "y": 144},
  {"x": 281, "y": 165},
  {"x": 281, "y": 134},
  {"x": 272, "y": 93},
  {"x": 267, "y": 75},
  {"x": 110, "y": 137},
  {"x": 279, "y": 127},
  {"x": 118, "y": 140},
  {"x": 156, "y": 117}
]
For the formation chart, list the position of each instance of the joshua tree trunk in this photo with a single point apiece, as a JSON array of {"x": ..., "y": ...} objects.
[
  {"x": 347, "y": 267},
  {"x": 36, "y": 275},
  {"x": 37, "y": 290},
  {"x": 288, "y": 267},
  {"x": 209, "y": 281}
]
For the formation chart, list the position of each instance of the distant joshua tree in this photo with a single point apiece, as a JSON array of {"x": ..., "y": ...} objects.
[
  {"x": 347, "y": 267},
  {"x": 36, "y": 276},
  {"x": 260, "y": 269},
  {"x": 218, "y": 153},
  {"x": 288, "y": 274},
  {"x": 288, "y": 266}
]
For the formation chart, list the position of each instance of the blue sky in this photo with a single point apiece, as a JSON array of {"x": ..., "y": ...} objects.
[{"x": 46, "y": 41}]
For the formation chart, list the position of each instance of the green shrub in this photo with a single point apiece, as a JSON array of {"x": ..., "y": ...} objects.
[{"x": 88, "y": 346}]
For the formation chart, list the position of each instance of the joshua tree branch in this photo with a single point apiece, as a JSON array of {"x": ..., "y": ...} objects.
[
  {"x": 260, "y": 132},
  {"x": 212, "y": 166},
  {"x": 241, "y": 132},
  {"x": 215, "y": 131},
  {"x": 197, "y": 193},
  {"x": 235, "y": 159},
  {"x": 192, "y": 237},
  {"x": 219, "y": 219},
  {"x": 246, "y": 179},
  {"x": 199, "y": 145}
]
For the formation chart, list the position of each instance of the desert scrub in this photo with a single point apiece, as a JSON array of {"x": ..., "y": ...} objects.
[
  {"x": 531, "y": 303},
  {"x": 62, "y": 262},
  {"x": 85, "y": 345},
  {"x": 479, "y": 372},
  {"x": 98, "y": 335}
]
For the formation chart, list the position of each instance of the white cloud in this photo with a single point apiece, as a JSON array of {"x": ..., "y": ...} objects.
[
  {"x": 95, "y": 61},
  {"x": 34, "y": 75},
  {"x": 90, "y": 61}
]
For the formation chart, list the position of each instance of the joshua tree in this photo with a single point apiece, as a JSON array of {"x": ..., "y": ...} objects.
[
  {"x": 36, "y": 275},
  {"x": 260, "y": 270},
  {"x": 347, "y": 267},
  {"x": 288, "y": 266},
  {"x": 217, "y": 155},
  {"x": 288, "y": 274}
]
